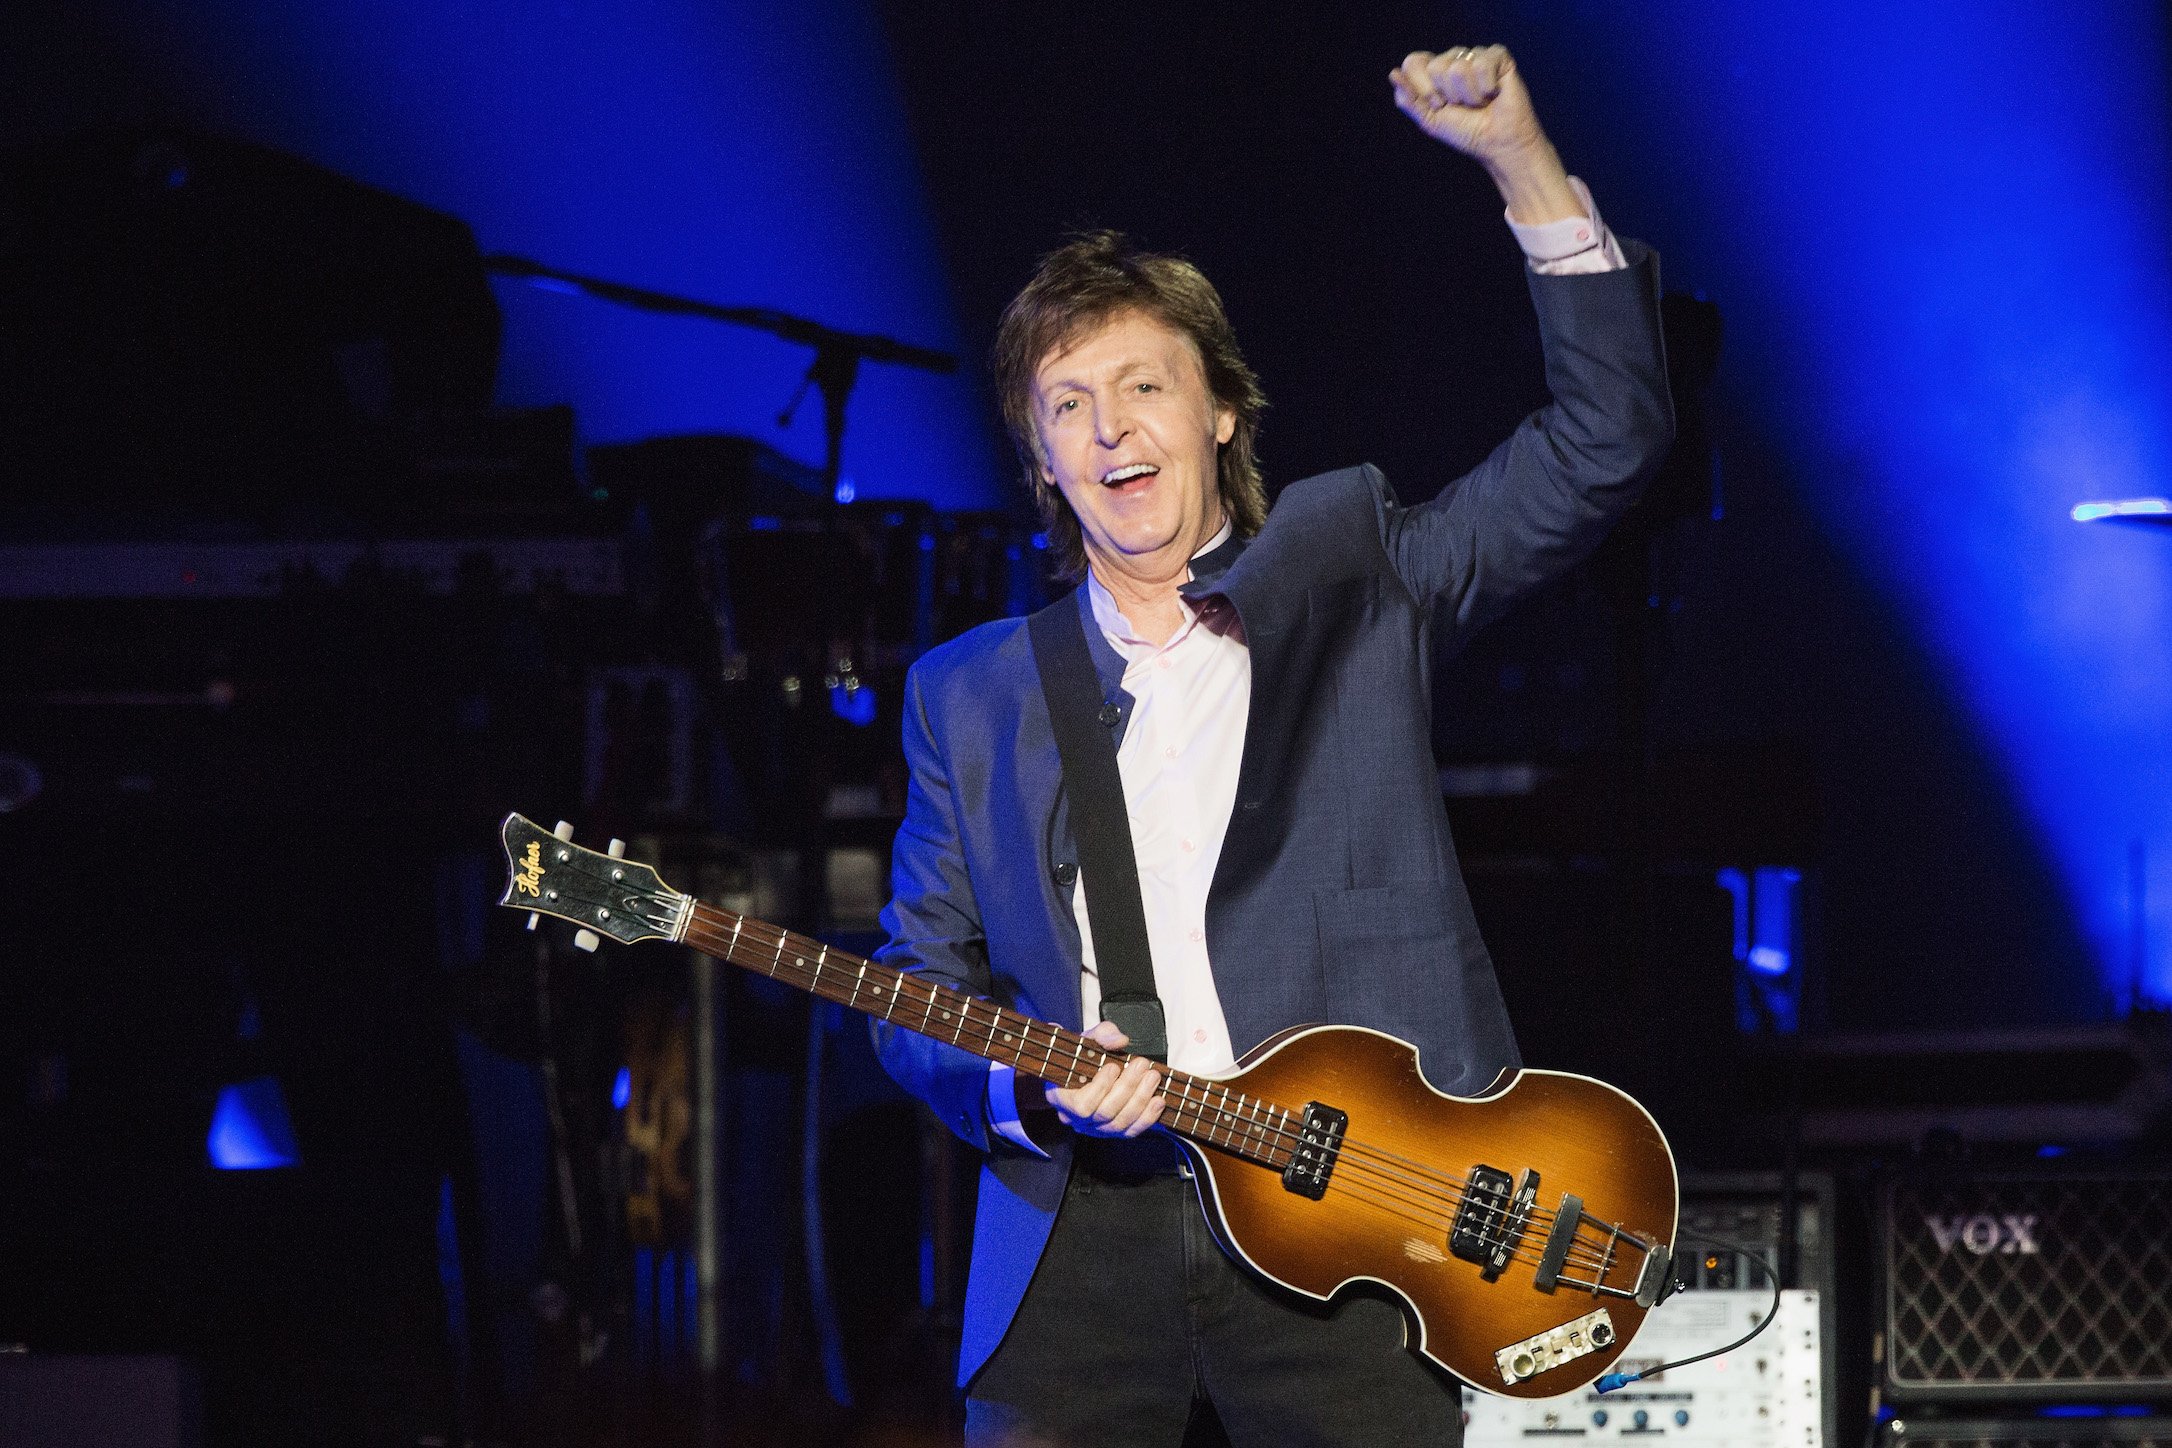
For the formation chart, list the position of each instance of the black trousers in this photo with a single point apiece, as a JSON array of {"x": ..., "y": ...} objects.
[{"x": 1135, "y": 1311}]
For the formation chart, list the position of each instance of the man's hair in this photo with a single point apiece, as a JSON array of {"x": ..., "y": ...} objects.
[{"x": 1083, "y": 283}]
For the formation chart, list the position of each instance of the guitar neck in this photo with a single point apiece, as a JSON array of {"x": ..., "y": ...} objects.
[{"x": 1202, "y": 1109}]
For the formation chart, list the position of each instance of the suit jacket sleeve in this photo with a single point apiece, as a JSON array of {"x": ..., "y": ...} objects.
[
  {"x": 1544, "y": 498},
  {"x": 934, "y": 927}
]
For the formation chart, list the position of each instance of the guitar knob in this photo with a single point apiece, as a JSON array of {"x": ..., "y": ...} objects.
[
  {"x": 587, "y": 939},
  {"x": 616, "y": 849},
  {"x": 564, "y": 830}
]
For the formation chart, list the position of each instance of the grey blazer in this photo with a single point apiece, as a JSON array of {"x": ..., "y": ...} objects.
[{"x": 1337, "y": 897}]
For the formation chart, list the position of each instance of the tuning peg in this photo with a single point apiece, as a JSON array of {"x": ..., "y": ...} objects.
[
  {"x": 587, "y": 939},
  {"x": 564, "y": 830},
  {"x": 616, "y": 849}
]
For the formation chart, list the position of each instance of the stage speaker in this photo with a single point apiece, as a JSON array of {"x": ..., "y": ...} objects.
[
  {"x": 2034, "y": 1288},
  {"x": 98, "y": 1402},
  {"x": 2056, "y": 1432}
]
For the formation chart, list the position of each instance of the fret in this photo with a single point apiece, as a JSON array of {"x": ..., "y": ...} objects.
[
  {"x": 779, "y": 960},
  {"x": 739, "y": 923},
  {"x": 853, "y": 1000},
  {"x": 820, "y": 956},
  {"x": 1186, "y": 1106}
]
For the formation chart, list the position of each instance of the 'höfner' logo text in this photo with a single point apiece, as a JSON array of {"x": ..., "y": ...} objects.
[{"x": 528, "y": 879}]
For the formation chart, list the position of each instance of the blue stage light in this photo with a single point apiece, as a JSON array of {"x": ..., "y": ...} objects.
[
  {"x": 687, "y": 146},
  {"x": 855, "y": 704},
  {"x": 250, "y": 1128}
]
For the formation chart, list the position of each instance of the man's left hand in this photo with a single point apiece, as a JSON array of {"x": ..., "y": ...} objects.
[
  {"x": 1470, "y": 97},
  {"x": 1473, "y": 99}
]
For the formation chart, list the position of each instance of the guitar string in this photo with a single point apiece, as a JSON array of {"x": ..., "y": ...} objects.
[
  {"x": 812, "y": 973},
  {"x": 1255, "y": 1131},
  {"x": 1397, "y": 1207},
  {"x": 1260, "y": 1134},
  {"x": 1212, "y": 1117}
]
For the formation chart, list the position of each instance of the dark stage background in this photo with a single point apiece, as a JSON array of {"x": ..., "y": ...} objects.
[{"x": 1852, "y": 650}]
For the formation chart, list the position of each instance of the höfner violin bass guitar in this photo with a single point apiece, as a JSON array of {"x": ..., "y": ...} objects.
[{"x": 1529, "y": 1230}]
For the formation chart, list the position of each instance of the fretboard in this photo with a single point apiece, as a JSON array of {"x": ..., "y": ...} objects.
[{"x": 1204, "y": 1110}]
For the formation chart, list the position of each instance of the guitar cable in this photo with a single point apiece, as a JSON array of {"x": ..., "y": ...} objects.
[{"x": 1612, "y": 1381}]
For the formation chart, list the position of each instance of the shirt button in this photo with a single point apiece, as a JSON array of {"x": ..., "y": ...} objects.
[
  {"x": 1189, "y": 847},
  {"x": 1066, "y": 873},
  {"x": 1198, "y": 936},
  {"x": 1162, "y": 662},
  {"x": 1200, "y": 1035},
  {"x": 1582, "y": 235},
  {"x": 1169, "y": 753}
]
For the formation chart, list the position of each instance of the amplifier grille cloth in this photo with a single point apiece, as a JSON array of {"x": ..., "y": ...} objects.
[
  {"x": 1970, "y": 1304},
  {"x": 2029, "y": 1435}
]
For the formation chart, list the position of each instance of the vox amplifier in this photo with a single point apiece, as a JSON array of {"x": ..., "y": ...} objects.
[
  {"x": 2029, "y": 1432},
  {"x": 2032, "y": 1288}
]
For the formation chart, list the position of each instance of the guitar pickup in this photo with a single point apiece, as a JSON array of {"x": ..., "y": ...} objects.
[
  {"x": 1480, "y": 1215},
  {"x": 1312, "y": 1160},
  {"x": 1490, "y": 1220}
]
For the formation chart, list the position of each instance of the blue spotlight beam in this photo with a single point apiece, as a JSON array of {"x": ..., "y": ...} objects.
[
  {"x": 1940, "y": 235},
  {"x": 705, "y": 146}
]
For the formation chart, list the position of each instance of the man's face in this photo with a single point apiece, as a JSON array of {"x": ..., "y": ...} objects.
[{"x": 1128, "y": 433}]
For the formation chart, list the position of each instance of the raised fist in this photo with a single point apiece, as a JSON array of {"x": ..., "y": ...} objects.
[{"x": 1472, "y": 99}]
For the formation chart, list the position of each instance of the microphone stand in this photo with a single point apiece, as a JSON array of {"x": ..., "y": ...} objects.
[{"x": 838, "y": 354}]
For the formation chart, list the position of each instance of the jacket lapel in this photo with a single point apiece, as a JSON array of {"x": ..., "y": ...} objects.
[{"x": 1243, "y": 575}]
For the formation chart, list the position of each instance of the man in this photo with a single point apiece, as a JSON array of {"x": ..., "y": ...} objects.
[{"x": 1271, "y": 705}]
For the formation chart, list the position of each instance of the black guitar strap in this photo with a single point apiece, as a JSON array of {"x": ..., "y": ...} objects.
[{"x": 1085, "y": 725}]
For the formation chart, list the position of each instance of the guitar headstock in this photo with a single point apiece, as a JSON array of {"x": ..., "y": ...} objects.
[{"x": 605, "y": 894}]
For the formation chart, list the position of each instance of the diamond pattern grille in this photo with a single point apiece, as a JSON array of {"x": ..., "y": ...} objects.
[
  {"x": 1969, "y": 1305},
  {"x": 2117, "y": 1434}
]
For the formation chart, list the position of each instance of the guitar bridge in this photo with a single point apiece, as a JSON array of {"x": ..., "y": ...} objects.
[{"x": 1312, "y": 1160}]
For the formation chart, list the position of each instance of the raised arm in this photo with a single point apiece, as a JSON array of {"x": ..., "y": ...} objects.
[{"x": 1546, "y": 496}]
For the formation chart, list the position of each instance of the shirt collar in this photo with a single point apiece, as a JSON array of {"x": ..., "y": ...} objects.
[{"x": 1111, "y": 619}]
